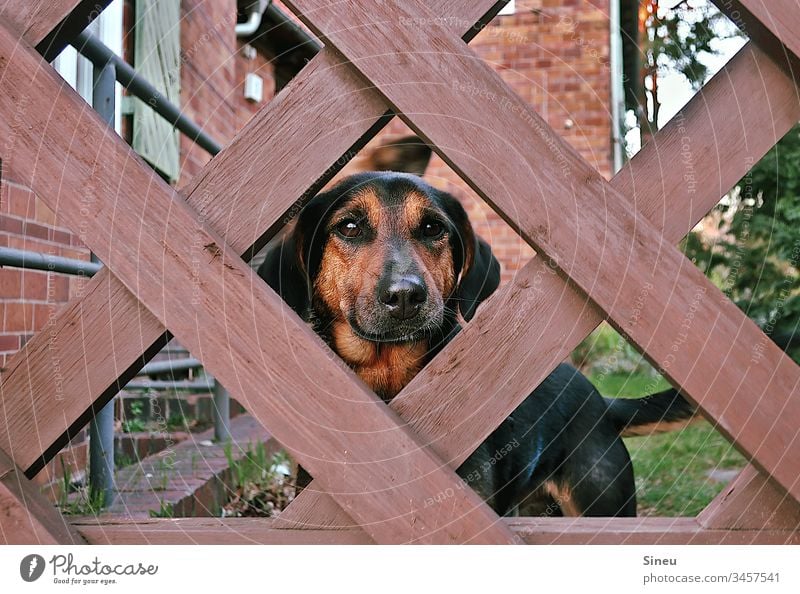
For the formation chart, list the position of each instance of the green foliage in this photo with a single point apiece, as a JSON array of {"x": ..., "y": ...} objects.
[
  {"x": 84, "y": 503},
  {"x": 753, "y": 253},
  {"x": 675, "y": 39},
  {"x": 177, "y": 422},
  {"x": 163, "y": 468},
  {"x": 605, "y": 353},
  {"x": 121, "y": 461},
  {"x": 165, "y": 511},
  {"x": 255, "y": 466},
  {"x": 259, "y": 486},
  {"x": 137, "y": 408},
  {"x": 136, "y": 422},
  {"x": 628, "y": 385},
  {"x": 755, "y": 258},
  {"x": 675, "y": 472},
  {"x": 681, "y": 35}
]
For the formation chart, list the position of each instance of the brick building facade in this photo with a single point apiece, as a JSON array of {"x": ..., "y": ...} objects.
[{"x": 554, "y": 53}]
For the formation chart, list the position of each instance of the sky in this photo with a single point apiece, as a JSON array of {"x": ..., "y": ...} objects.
[{"x": 675, "y": 91}]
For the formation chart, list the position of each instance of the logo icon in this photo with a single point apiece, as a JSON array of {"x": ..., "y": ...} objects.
[{"x": 31, "y": 567}]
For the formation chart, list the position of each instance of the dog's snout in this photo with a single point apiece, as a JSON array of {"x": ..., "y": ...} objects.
[{"x": 403, "y": 297}]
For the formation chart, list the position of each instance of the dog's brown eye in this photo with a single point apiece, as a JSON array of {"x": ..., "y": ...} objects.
[
  {"x": 432, "y": 229},
  {"x": 349, "y": 229}
]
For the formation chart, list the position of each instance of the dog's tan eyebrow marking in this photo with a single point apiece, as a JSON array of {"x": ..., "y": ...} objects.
[
  {"x": 366, "y": 200},
  {"x": 347, "y": 213},
  {"x": 416, "y": 208}
]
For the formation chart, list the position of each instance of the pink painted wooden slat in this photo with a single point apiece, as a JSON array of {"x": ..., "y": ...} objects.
[
  {"x": 750, "y": 501},
  {"x": 772, "y": 24},
  {"x": 26, "y": 517},
  {"x": 248, "y": 531},
  {"x": 36, "y": 19}
]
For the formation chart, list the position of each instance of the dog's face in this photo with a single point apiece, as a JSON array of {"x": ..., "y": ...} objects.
[
  {"x": 386, "y": 257},
  {"x": 391, "y": 256},
  {"x": 381, "y": 263}
]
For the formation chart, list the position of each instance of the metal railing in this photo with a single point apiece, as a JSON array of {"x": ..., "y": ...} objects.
[
  {"x": 101, "y": 427},
  {"x": 48, "y": 262},
  {"x": 99, "y": 54}
]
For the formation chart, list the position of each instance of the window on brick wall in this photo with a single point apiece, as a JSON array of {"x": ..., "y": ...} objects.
[{"x": 156, "y": 56}]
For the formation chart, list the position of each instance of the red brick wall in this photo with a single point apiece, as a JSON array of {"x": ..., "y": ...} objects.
[
  {"x": 213, "y": 70},
  {"x": 554, "y": 53},
  {"x": 212, "y": 78},
  {"x": 27, "y": 297}
]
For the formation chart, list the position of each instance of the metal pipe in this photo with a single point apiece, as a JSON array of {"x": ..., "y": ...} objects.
[
  {"x": 159, "y": 367},
  {"x": 246, "y": 29},
  {"x": 222, "y": 414},
  {"x": 617, "y": 88},
  {"x": 101, "y": 455},
  {"x": 40, "y": 261},
  {"x": 100, "y": 55},
  {"x": 101, "y": 428},
  {"x": 204, "y": 385}
]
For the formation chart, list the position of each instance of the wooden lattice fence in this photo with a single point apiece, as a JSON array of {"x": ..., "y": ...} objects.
[{"x": 174, "y": 261}]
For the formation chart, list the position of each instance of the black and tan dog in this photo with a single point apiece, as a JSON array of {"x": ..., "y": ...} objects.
[{"x": 381, "y": 265}]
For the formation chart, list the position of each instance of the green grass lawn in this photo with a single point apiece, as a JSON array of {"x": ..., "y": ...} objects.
[{"x": 673, "y": 469}]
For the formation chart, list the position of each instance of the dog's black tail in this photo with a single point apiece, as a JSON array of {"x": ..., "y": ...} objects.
[{"x": 657, "y": 413}]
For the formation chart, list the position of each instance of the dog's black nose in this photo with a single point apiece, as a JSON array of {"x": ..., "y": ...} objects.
[{"x": 403, "y": 297}]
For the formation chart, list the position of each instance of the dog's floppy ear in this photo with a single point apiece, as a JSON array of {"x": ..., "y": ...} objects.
[
  {"x": 479, "y": 274},
  {"x": 285, "y": 273},
  {"x": 478, "y": 281},
  {"x": 293, "y": 258},
  {"x": 407, "y": 155}
]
